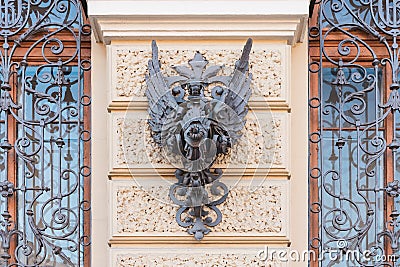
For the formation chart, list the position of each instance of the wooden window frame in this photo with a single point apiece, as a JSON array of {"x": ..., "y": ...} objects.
[
  {"x": 365, "y": 60},
  {"x": 36, "y": 59}
]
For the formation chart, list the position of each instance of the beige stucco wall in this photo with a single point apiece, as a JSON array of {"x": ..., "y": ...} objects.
[
  {"x": 298, "y": 219},
  {"x": 133, "y": 221},
  {"x": 100, "y": 159}
]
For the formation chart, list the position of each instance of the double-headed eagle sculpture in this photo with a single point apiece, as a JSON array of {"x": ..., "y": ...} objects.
[{"x": 196, "y": 116}]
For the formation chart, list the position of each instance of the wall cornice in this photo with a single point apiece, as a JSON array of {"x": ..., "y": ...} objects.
[{"x": 283, "y": 20}]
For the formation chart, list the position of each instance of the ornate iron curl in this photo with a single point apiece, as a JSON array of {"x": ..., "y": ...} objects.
[
  {"x": 43, "y": 134},
  {"x": 356, "y": 139},
  {"x": 196, "y": 116}
]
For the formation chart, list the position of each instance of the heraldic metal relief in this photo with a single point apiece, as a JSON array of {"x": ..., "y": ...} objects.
[{"x": 196, "y": 116}]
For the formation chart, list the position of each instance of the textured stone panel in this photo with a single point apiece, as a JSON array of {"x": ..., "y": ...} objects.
[
  {"x": 261, "y": 144},
  {"x": 131, "y": 66},
  {"x": 204, "y": 260},
  {"x": 149, "y": 210},
  {"x": 135, "y": 143},
  {"x": 144, "y": 210}
]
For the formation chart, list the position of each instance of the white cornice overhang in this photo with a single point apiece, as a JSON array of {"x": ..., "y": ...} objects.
[{"x": 190, "y": 19}]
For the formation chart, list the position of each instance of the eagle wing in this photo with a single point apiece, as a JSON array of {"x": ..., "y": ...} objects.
[
  {"x": 238, "y": 93},
  {"x": 161, "y": 101}
]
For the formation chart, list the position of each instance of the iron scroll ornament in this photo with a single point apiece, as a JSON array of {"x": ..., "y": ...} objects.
[
  {"x": 354, "y": 132},
  {"x": 196, "y": 116},
  {"x": 45, "y": 133}
]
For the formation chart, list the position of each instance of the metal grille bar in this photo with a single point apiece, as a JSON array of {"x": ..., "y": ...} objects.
[{"x": 44, "y": 134}]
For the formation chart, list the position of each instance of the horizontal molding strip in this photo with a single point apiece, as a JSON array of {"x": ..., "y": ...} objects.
[
  {"x": 142, "y": 105},
  {"x": 283, "y": 20},
  {"x": 118, "y": 241},
  {"x": 127, "y": 174}
]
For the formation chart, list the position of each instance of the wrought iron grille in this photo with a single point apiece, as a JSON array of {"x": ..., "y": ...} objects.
[
  {"x": 354, "y": 136},
  {"x": 44, "y": 133}
]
